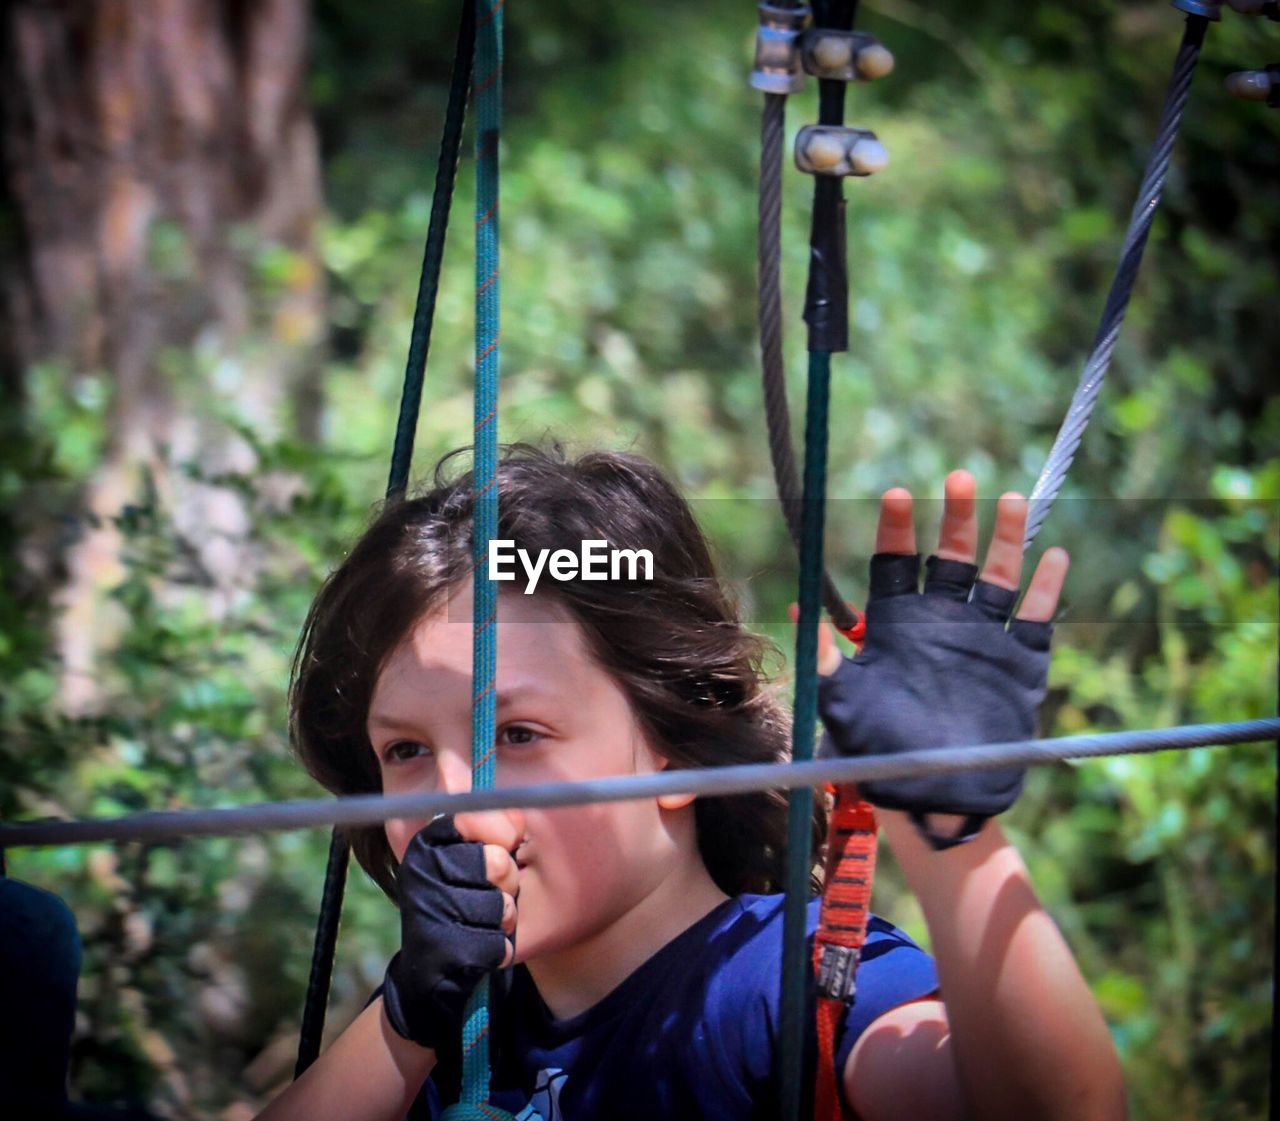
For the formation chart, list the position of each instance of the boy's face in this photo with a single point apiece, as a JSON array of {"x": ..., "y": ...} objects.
[{"x": 560, "y": 717}]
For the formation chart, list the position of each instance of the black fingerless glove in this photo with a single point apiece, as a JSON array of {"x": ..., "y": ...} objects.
[
  {"x": 938, "y": 669},
  {"x": 450, "y": 934}
]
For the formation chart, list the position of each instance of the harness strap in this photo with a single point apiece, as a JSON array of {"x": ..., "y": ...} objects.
[{"x": 842, "y": 929}]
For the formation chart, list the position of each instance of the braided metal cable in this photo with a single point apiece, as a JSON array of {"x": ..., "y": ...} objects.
[
  {"x": 1095, "y": 368},
  {"x": 769, "y": 316},
  {"x": 372, "y": 809}
]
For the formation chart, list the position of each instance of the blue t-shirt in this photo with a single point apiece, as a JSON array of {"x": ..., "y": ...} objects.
[{"x": 692, "y": 1033}]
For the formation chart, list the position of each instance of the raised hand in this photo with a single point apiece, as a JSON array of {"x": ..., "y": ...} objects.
[{"x": 946, "y": 666}]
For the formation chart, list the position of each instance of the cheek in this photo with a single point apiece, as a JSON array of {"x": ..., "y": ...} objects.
[
  {"x": 400, "y": 832},
  {"x": 588, "y": 847}
]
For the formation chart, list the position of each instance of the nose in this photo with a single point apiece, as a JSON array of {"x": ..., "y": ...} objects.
[
  {"x": 452, "y": 776},
  {"x": 453, "y": 771}
]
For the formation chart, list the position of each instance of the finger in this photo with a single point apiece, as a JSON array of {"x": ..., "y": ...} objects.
[
  {"x": 1004, "y": 554},
  {"x": 896, "y": 531},
  {"x": 958, "y": 534},
  {"x": 510, "y": 956},
  {"x": 500, "y": 869},
  {"x": 508, "y": 924},
  {"x": 493, "y": 827},
  {"x": 828, "y": 654},
  {"x": 1041, "y": 600}
]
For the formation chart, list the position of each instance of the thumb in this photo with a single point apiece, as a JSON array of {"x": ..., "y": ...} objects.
[{"x": 828, "y": 654}]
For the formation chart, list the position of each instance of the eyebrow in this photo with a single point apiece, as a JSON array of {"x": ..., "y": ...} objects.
[{"x": 506, "y": 698}]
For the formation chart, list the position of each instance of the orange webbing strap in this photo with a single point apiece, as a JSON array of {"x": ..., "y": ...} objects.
[{"x": 842, "y": 928}]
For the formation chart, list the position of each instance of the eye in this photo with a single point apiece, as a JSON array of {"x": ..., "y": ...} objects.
[
  {"x": 402, "y": 751},
  {"x": 518, "y": 735}
]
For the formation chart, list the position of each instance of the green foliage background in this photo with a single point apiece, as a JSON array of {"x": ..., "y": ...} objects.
[{"x": 979, "y": 262}]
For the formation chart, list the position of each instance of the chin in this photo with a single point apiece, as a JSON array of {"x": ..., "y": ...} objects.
[
  {"x": 536, "y": 942},
  {"x": 528, "y": 948}
]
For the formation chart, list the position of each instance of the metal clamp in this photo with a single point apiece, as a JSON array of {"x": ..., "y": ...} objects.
[
  {"x": 1209, "y": 9},
  {"x": 844, "y": 56},
  {"x": 837, "y": 971},
  {"x": 1256, "y": 85},
  {"x": 838, "y": 150},
  {"x": 777, "y": 68}
]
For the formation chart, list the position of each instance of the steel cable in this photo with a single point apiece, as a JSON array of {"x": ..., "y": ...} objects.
[
  {"x": 769, "y": 316},
  {"x": 372, "y": 809},
  {"x": 1073, "y": 425}
]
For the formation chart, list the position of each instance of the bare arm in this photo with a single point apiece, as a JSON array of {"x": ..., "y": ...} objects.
[
  {"x": 1027, "y": 1039},
  {"x": 373, "y": 1071},
  {"x": 369, "y": 1074},
  {"x": 1020, "y": 1033}
]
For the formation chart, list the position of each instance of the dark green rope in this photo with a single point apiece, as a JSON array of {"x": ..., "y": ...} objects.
[
  {"x": 335, "y": 877},
  {"x": 433, "y": 254},
  {"x": 795, "y": 968},
  {"x": 827, "y": 315}
]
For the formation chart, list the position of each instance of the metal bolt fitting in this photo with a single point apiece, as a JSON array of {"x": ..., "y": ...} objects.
[
  {"x": 777, "y": 68},
  {"x": 837, "y": 971},
  {"x": 844, "y": 56},
  {"x": 1256, "y": 85},
  {"x": 1210, "y": 9},
  {"x": 838, "y": 150}
]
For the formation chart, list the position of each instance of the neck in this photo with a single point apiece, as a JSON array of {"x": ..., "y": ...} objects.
[{"x": 574, "y": 979}]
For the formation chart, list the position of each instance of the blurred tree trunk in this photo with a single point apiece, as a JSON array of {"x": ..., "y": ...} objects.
[{"x": 149, "y": 150}]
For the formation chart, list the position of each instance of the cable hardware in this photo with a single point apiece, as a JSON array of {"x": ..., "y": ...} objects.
[
  {"x": 1256, "y": 85},
  {"x": 844, "y": 56},
  {"x": 839, "y": 150},
  {"x": 1208, "y": 9},
  {"x": 837, "y": 971},
  {"x": 777, "y": 67}
]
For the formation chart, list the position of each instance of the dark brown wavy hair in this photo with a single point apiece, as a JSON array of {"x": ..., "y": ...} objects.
[{"x": 675, "y": 644}]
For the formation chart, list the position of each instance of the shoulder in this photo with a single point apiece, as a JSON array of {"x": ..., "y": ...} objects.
[
  {"x": 892, "y": 968},
  {"x": 747, "y": 948}
]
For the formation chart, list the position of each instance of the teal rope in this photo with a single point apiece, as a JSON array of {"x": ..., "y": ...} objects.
[
  {"x": 795, "y": 970},
  {"x": 487, "y": 95}
]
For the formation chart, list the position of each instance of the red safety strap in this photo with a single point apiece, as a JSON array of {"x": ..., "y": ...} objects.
[{"x": 842, "y": 924}]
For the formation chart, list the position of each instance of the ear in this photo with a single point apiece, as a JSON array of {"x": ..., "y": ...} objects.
[{"x": 670, "y": 801}]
